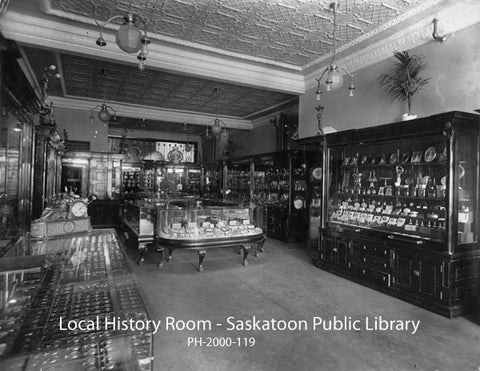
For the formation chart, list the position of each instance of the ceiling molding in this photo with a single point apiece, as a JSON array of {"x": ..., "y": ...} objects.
[
  {"x": 368, "y": 35},
  {"x": 149, "y": 113},
  {"x": 454, "y": 18},
  {"x": 157, "y": 135},
  {"x": 40, "y": 32}
]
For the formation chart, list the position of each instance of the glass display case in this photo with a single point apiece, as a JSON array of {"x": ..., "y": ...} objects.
[
  {"x": 281, "y": 185},
  {"x": 401, "y": 208},
  {"x": 238, "y": 180},
  {"x": 200, "y": 227},
  {"x": 139, "y": 217},
  {"x": 212, "y": 181},
  {"x": 198, "y": 223},
  {"x": 86, "y": 277}
]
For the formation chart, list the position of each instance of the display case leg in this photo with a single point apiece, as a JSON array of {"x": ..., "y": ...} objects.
[
  {"x": 170, "y": 253},
  {"x": 161, "y": 250},
  {"x": 201, "y": 256},
  {"x": 246, "y": 250},
  {"x": 260, "y": 245},
  {"x": 143, "y": 250}
]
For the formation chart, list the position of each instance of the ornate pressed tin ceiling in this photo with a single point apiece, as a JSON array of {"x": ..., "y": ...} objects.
[
  {"x": 292, "y": 32},
  {"x": 83, "y": 78},
  {"x": 262, "y": 54}
]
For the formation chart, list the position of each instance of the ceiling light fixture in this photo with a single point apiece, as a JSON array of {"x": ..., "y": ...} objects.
[
  {"x": 104, "y": 114},
  {"x": 130, "y": 38},
  {"x": 332, "y": 77},
  {"x": 218, "y": 128}
]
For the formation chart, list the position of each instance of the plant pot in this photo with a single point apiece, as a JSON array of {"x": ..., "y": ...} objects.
[{"x": 406, "y": 117}]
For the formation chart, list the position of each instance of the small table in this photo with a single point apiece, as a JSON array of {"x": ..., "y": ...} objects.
[{"x": 201, "y": 245}]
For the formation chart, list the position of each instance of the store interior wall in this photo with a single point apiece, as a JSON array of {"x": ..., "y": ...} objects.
[
  {"x": 454, "y": 69},
  {"x": 77, "y": 124}
]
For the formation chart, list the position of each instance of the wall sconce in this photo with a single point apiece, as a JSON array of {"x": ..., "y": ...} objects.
[
  {"x": 47, "y": 73},
  {"x": 435, "y": 34}
]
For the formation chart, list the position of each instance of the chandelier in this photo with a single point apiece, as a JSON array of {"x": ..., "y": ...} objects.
[
  {"x": 104, "y": 114},
  {"x": 130, "y": 38},
  {"x": 332, "y": 77},
  {"x": 218, "y": 127}
]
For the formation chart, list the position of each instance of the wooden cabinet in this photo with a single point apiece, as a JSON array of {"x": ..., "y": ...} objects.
[
  {"x": 87, "y": 173},
  {"x": 400, "y": 209}
]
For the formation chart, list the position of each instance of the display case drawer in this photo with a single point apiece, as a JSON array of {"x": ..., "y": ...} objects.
[
  {"x": 372, "y": 275},
  {"x": 365, "y": 248},
  {"x": 382, "y": 265}
]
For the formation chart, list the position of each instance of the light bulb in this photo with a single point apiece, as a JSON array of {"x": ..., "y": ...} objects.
[
  {"x": 145, "y": 44},
  {"x": 141, "y": 65},
  {"x": 318, "y": 95}
]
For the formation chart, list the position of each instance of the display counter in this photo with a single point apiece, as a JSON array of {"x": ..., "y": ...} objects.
[
  {"x": 205, "y": 227},
  {"x": 86, "y": 278},
  {"x": 140, "y": 216}
]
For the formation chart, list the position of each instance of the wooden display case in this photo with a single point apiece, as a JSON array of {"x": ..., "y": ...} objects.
[
  {"x": 280, "y": 184},
  {"x": 401, "y": 209}
]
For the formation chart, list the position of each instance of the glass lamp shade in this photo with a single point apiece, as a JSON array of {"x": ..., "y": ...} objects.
[
  {"x": 104, "y": 115},
  {"x": 128, "y": 38},
  {"x": 334, "y": 79}
]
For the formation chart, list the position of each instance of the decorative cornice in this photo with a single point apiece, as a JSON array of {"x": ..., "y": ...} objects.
[
  {"x": 166, "y": 136},
  {"x": 383, "y": 27},
  {"x": 70, "y": 38},
  {"x": 136, "y": 111},
  {"x": 453, "y": 18}
]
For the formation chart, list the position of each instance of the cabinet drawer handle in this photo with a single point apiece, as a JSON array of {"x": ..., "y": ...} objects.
[
  {"x": 364, "y": 260},
  {"x": 334, "y": 249},
  {"x": 357, "y": 230},
  {"x": 416, "y": 273},
  {"x": 392, "y": 237}
]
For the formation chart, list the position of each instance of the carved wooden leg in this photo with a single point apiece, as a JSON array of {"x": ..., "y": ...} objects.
[
  {"x": 246, "y": 250},
  {"x": 260, "y": 245},
  {"x": 201, "y": 256},
  {"x": 142, "y": 247},
  {"x": 170, "y": 253},
  {"x": 161, "y": 250}
]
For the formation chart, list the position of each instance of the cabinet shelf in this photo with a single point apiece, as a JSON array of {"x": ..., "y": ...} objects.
[
  {"x": 361, "y": 166},
  {"x": 413, "y": 198}
]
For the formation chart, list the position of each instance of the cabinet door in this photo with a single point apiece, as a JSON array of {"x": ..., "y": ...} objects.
[
  {"x": 406, "y": 272},
  {"x": 326, "y": 249},
  {"x": 341, "y": 251},
  {"x": 334, "y": 251},
  {"x": 418, "y": 273},
  {"x": 429, "y": 275}
]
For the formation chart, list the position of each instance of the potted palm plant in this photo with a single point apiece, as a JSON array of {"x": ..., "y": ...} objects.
[{"x": 405, "y": 79}]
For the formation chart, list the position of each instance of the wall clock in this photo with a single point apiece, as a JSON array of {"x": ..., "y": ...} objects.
[{"x": 317, "y": 173}]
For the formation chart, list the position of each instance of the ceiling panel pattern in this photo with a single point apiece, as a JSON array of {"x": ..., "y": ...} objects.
[
  {"x": 290, "y": 31},
  {"x": 84, "y": 78}
]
